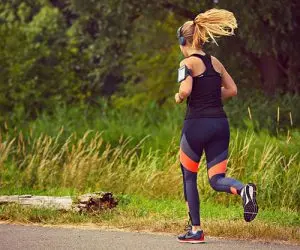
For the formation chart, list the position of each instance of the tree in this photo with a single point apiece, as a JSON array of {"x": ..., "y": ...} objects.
[
  {"x": 267, "y": 36},
  {"x": 36, "y": 68}
]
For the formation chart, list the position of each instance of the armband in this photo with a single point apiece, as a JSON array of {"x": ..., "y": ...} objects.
[{"x": 183, "y": 72}]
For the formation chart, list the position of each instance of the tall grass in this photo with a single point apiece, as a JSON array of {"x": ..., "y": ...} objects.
[
  {"x": 251, "y": 109},
  {"x": 88, "y": 163},
  {"x": 135, "y": 150}
]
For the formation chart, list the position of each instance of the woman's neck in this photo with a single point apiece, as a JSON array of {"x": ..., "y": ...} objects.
[{"x": 191, "y": 51}]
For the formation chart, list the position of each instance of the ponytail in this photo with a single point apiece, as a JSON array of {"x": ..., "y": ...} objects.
[{"x": 213, "y": 24}]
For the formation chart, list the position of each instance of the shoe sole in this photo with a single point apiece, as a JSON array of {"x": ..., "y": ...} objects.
[
  {"x": 192, "y": 241},
  {"x": 251, "y": 208}
]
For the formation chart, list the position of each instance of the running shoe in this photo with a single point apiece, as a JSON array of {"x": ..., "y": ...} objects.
[
  {"x": 248, "y": 195},
  {"x": 190, "y": 237}
]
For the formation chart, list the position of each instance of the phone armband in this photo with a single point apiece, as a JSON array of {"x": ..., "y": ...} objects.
[{"x": 183, "y": 72}]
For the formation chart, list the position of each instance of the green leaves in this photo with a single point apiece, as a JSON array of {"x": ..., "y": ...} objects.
[
  {"x": 80, "y": 50},
  {"x": 35, "y": 70}
]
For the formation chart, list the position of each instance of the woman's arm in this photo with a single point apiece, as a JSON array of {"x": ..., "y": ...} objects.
[
  {"x": 229, "y": 87},
  {"x": 186, "y": 85}
]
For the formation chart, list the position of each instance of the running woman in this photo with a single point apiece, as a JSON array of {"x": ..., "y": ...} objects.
[{"x": 205, "y": 83}]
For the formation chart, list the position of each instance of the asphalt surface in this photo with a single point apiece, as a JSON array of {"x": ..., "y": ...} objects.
[{"x": 15, "y": 237}]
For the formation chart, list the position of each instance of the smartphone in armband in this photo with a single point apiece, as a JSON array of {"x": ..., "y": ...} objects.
[{"x": 183, "y": 72}]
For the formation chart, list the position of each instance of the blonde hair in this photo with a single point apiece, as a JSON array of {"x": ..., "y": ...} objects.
[{"x": 209, "y": 26}]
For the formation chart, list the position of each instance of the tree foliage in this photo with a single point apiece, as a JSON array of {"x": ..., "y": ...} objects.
[
  {"x": 70, "y": 51},
  {"x": 36, "y": 68}
]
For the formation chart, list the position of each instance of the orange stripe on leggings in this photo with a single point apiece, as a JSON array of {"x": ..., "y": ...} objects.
[
  {"x": 233, "y": 190},
  {"x": 188, "y": 163},
  {"x": 219, "y": 168}
]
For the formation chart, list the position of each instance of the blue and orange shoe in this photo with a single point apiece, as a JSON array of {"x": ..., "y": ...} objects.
[
  {"x": 190, "y": 237},
  {"x": 248, "y": 195}
]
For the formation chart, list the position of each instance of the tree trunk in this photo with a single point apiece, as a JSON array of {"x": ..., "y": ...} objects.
[
  {"x": 270, "y": 73},
  {"x": 92, "y": 202},
  {"x": 61, "y": 203}
]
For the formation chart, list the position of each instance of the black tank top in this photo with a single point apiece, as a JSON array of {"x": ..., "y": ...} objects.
[{"x": 205, "y": 98}]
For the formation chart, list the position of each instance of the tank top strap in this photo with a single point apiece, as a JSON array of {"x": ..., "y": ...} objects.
[{"x": 208, "y": 64}]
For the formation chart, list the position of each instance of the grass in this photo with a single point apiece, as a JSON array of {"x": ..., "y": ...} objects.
[
  {"x": 89, "y": 163},
  {"x": 134, "y": 152},
  {"x": 167, "y": 215}
]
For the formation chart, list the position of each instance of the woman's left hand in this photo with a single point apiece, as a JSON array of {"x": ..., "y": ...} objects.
[{"x": 178, "y": 99}]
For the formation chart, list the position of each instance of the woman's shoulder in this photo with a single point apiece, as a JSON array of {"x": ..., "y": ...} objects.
[
  {"x": 193, "y": 63},
  {"x": 186, "y": 61},
  {"x": 215, "y": 60},
  {"x": 218, "y": 66}
]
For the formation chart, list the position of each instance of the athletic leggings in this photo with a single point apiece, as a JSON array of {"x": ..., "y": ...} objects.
[{"x": 211, "y": 135}]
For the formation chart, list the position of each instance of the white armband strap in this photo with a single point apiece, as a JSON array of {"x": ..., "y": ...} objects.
[{"x": 183, "y": 72}]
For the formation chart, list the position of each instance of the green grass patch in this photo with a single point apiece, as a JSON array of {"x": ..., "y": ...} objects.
[{"x": 175, "y": 209}]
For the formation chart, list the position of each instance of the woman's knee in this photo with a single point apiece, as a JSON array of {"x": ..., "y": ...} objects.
[
  {"x": 214, "y": 182},
  {"x": 189, "y": 176}
]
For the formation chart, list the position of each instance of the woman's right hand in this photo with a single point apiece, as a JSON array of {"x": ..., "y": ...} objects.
[{"x": 178, "y": 99}]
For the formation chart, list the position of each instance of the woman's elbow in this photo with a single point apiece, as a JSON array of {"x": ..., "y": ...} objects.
[
  {"x": 234, "y": 92},
  {"x": 184, "y": 93}
]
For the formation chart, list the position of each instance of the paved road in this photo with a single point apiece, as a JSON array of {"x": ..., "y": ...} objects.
[{"x": 14, "y": 237}]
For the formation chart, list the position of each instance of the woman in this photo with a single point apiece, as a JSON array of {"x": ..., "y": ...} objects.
[{"x": 205, "y": 83}]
